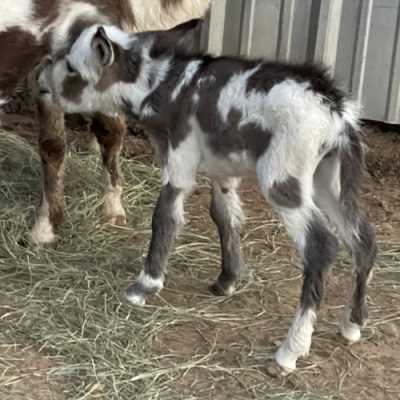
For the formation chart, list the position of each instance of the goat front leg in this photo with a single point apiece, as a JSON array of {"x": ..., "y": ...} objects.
[
  {"x": 226, "y": 212},
  {"x": 110, "y": 132},
  {"x": 167, "y": 221},
  {"x": 52, "y": 152}
]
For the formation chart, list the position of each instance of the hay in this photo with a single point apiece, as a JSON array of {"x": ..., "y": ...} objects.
[{"x": 63, "y": 301}]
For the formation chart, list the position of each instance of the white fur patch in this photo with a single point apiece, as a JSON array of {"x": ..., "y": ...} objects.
[
  {"x": 234, "y": 96},
  {"x": 18, "y": 13},
  {"x": 149, "y": 282},
  {"x": 178, "y": 210},
  {"x": 349, "y": 330},
  {"x": 136, "y": 299},
  {"x": 43, "y": 231},
  {"x": 298, "y": 341},
  {"x": 182, "y": 163},
  {"x": 187, "y": 78},
  {"x": 150, "y": 15},
  {"x": 69, "y": 13}
]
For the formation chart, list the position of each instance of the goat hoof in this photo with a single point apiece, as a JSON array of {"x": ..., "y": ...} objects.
[
  {"x": 286, "y": 359},
  {"x": 276, "y": 371},
  {"x": 117, "y": 220},
  {"x": 135, "y": 295},
  {"x": 218, "y": 290},
  {"x": 350, "y": 331},
  {"x": 42, "y": 232}
]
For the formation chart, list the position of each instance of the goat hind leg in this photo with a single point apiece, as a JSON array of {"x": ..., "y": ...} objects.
[
  {"x": 226, "y": 212},
  {"x": 344, "y": 212},
  {"x": 318, "y": 248}
]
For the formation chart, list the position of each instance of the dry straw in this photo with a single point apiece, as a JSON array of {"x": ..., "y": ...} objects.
[{"x": 61, "y": 304}]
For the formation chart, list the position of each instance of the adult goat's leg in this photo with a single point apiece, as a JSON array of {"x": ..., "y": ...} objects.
[
  {"x": 52, "y": 152},
  {"x": 110, "y": 132}
]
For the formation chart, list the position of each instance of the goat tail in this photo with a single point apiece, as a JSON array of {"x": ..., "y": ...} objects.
[{"x": 352, "y": 161}]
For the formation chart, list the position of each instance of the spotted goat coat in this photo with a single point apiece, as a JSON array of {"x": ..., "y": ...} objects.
[
  {"x": 230, "y": 118},
  {"x": 31, "y": 29}
]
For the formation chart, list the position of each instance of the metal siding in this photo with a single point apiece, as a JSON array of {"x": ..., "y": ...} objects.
[
  {"x": 378, "y": 69},
  {"x": 358, "y": 39}
]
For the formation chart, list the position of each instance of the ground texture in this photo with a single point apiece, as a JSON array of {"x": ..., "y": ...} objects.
[{"x": 65, "y": 334}]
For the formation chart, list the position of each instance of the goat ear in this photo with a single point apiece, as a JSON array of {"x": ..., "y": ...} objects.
[
  {"x": 187, "y": 36},
  {"x": 103, "y": 48}
]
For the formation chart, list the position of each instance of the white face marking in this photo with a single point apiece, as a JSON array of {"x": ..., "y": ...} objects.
[
  {"x": 18, "y": 13},
  {"x": 82, "y": 59},
  {"x": 187, "y": 77},
  {"x": 298, "y": 341}
]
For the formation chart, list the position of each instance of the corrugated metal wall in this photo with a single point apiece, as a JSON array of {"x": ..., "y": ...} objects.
[{"x": 358, "y": 39}]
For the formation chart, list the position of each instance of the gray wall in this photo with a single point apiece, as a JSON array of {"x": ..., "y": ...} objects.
[{"x": 357, "y": 39}]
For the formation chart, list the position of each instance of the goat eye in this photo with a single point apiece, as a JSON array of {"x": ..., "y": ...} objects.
[{"x": 70, "y": 69}]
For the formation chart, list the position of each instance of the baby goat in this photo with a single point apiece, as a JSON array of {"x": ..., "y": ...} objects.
[{"x": 230, "y": 117}]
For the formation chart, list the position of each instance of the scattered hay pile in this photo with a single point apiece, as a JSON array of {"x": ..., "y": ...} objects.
[{"x": 65, "y": 334}]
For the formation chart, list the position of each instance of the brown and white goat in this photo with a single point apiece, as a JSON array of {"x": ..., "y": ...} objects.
[
  {"x": 230, "y": 117},
  {"x": 32, "y": 29}
]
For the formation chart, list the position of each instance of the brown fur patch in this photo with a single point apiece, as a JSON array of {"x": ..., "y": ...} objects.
[
  {"x": 286, "y": 193},
  {"x": 73, "y": 87},
  {"x": 125, "y": 68},
  {"x": 20, "y": 52},
  {"x": 46, "y": 10},
  {"x": 110, "y": 132},
  {"x": 52, "y": 151}
]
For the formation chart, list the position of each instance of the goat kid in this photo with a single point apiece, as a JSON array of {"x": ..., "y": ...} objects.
[
  {"x": 31, "y": 29},
  {"x": 230, "y": 117}
]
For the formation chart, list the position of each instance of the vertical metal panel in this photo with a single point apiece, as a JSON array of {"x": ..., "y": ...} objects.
[
  {"x": 327, "y": 39},
  {"x": 233, "y": 27},
  {"x": 261, "y": 33},
  {"x": 358, "y": 39},
  {"x": 379, "y": 61}
]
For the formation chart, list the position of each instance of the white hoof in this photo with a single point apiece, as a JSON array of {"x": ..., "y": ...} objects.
[
  {"x": 42, "y": 232},
  {"x": 136, "y": 299},
  {"x": 286, "y": 359},
  {"x": 113, "y": 211},
  {"x": 116, "y": 220},
  {"x": 349, "y": 330}
]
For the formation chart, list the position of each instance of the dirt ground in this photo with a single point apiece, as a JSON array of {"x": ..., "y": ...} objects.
[{"x": 368, "y": 370}]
